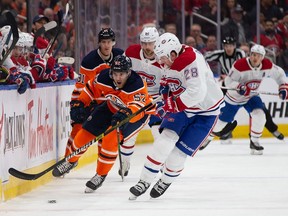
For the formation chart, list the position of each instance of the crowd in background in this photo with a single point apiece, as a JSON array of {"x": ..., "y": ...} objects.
[{"x": 238, "y": 20}]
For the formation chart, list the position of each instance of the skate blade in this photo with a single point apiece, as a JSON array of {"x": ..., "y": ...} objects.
[
  {"x": 132, "y": 197},
  {"x": 226, "y": 142},
  {"x": 256, "y": 152},
  {"x": 89, "y": 190}
]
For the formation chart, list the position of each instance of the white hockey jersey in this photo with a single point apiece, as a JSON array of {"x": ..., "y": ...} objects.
[
  {"x": 242, "y": 72},
  {"x": 192, "y": 82},
  {"x": 149, "y": 70}
]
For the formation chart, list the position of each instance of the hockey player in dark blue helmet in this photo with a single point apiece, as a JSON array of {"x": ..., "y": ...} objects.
[
  {"x": 91, "y": 65},
  {"x": 106, "y": 33}
]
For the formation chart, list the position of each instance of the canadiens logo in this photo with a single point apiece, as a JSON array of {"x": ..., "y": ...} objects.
[
  {"x": 253, "y": 84},
  {"x": 175, "y": 86},
  {"x": 149, "y": 79}
]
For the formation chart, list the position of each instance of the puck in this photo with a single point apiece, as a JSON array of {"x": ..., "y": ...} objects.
[{"x": 51, "y": 201}]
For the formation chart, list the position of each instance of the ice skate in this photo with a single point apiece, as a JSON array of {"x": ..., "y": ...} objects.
[
  {"x": 63, "y": 168},
  {"x": 125, "y": 168},
  {"x": 205, "y": 144},
  {"x": 278, "y": 135},
  {"x": 94, "y": 183},
  {"x": 159, "y": 189},
  {"x": 256, "y": 148},
  {"x": 139, "y": 189}
]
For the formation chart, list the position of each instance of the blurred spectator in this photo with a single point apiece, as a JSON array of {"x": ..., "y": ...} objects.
[
  {"x": 49, "y": 13},
  {"x": 268, "y": 8},
  {"x": 171, "y": 27},
  {"x": 211, "y": 45},
  {"x": 236, "y": 27},
  {"x": 195, "y": 31},
  {"x": 227, "y": 6},
  {"x": 271, "y": 40},
  {"x": 282, "y": 28},
  {"x": 43, "y": 4},
  {"x": 190, "y": 41},
  {"x": 245, "y": 47},
  {"x": 209, "y": 11},
  {"x": 282, "y": 60},
  {"x": 20, "y": 7}
]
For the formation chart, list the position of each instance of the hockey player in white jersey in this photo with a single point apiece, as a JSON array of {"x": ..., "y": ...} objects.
[
  {"x": 189, "y": 113},
  {"x": 246, "y": 76},
  {"x": 145, "y": 64}
]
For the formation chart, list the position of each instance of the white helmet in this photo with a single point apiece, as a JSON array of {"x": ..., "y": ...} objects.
[
  {"x": 149, "y": 34},
  {"x": 258, "y": 49},
  {"x": 167, "y": 43},
  {"x": 25, "y": 40}
]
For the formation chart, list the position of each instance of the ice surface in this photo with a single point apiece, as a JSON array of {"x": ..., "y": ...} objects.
[{"x": 222, "y": 180}]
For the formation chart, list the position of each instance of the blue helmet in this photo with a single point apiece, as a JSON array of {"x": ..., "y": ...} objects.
[
  {"x": 121, "y": 63},
  {"x": 106, "y": 33}
]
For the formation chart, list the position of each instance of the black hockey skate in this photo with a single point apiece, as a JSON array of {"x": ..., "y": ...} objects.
[
  {"x": 63, "y": 168},
  {"x": 256, "y": 148},
  {"x": 159, "y": 189},
  {"x": 94, "y": 183},
  {"x": 139, "y": 189}
]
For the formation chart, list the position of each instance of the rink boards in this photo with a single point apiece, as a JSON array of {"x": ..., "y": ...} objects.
[{"x": 34, "y": 128}]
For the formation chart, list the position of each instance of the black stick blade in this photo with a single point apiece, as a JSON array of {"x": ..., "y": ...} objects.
[{"x": 22, "y": 175}]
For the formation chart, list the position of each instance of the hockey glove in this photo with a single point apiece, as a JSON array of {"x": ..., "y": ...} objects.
[
  {"x": 164, "y": 88},
  {"x": 243, "y": 89},
  {"x": 60, "y": 73},
  {"x": 40, "y": 64},
  {"x": 78, "y": 113},
  {"x": 283, "y": 91},
  {"x": 50, "y": 64},
  {"x": 119, "y": 116},
  {"x": 169, "y": 106},
  {"x": 22, "y": 84}
]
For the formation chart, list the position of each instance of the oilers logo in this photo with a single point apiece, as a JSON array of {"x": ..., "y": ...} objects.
[{"x": 115, "y": 101}]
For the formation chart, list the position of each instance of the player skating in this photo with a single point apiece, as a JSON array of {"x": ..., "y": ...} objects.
[
  {"x": 145, "y": 64},
  {"x": 91, "y": 65},
  {"x": 246, "y": 75},
  {"x": 128, "y": 93},
  {"x": 226, "y": 57},
  {"x": 189, "y": 113}
]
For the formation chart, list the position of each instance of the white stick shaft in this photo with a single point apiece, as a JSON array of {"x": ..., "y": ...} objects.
[{"x": 255, "y": 92}]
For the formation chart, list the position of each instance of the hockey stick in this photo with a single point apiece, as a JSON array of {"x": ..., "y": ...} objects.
[
  {"x": 46, "y": 27},
  {"x": 255, "y": 92},
  {"x": 14, "y": 31},
  {"x": 27, "y": 176},
  {"x": 119, "y": 153},
  {"x": 61, "y": 19}
]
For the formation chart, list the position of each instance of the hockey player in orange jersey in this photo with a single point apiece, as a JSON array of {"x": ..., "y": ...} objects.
[
  {"x": 126, "y": 93},
  {"x": 91, "y": 65}
]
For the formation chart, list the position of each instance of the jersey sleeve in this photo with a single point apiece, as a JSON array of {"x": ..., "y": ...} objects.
[{"x": 85, "y": 75}]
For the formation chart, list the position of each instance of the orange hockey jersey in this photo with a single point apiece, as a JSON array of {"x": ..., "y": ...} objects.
[
  {"x": 91, "y": 66},
  {"x": 133, "y": 95}
]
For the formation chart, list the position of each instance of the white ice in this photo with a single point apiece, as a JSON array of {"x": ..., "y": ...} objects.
[{"x": 222, "y": 180}]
